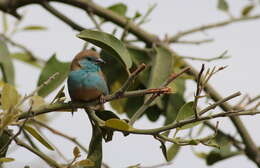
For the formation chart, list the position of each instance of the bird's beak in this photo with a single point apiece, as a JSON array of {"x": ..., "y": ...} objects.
[{"x": 100, "y": 61}]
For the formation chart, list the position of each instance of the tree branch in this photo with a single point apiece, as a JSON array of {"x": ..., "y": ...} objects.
[
  {"x": 175, "y": 38},
  {"x": 11, "y": 6}
]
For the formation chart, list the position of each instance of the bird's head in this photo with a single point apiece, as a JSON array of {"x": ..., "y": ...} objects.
[{"x": 87, "y": 59}]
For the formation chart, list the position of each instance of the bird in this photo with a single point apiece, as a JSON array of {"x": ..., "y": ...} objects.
[{"x": 86, "y": 81}]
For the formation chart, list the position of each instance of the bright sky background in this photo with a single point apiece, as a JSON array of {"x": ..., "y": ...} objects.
[{"x": 240, "y": 39}]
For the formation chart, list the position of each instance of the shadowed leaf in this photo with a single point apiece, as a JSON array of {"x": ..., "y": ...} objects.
[
  {"x": 6, "y": 63},
  {"x": 37, "y": 136},
  {"x": 153, "y": 113},
  {"x": 117, "y": 124},
  {"x": 172, "y": 152},
  {"x": 139, "y": 57},
  {"x": 109, "y": 43},
  {"x": 106, "y": 115},
  {"x": 247, "y": 9},
  {"x": 52, "y": 66},
  {"x": 4, "y": 139}
]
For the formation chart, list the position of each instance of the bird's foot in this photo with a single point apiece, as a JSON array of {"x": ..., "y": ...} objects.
[{"x": 102, "y": 99}]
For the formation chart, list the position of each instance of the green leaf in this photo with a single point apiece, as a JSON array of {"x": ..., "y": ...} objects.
[
  {"x": 119, "y": 69},
  {"x": 109, "y": 43},
  {"x": 223, "y": 5},
  {"x": 37, "y": 136},
  {"x": 117, "y": 124},
  {"x": 247, "y": 9},
  {"x": 6, "y": 63},
  {"x": 161, "y": 68},
  {"x": 5, "y": 159},
  {"x": 172, "y": 152},
  {"x": 185, "y": 112},
  {"x": 24, "y": 57},
  {"x": 138, "y": 57},
  {"x": 137, "y": 15},
  {"x": 10, "y": 97},
  {"x": 119, "y": 8},
  {"x": 52, "y": 66},
  {"x": 119, "y": 104},
  {"x": 34, "y": 28},
  {"x": 132, "y": 104},
  {"x": 175, "y": 102}
]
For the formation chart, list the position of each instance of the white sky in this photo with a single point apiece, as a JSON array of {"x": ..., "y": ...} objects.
[{"x": 241, "y": 40}]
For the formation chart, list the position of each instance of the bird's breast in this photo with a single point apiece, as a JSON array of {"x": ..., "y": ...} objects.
[{"x": 85, "y": 86}]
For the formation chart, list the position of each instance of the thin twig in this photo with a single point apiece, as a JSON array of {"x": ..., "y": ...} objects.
[
  {"x": 25, "y": 49},
  {"x": 234, "y": 141},
  {"x": 213, "y": 106},
  {"x": 175, "y": 38},
  {"x": 205, "y": 59},
  {"x": 47, "y": 159},
  {"x": 52, "y": 77},
  {"x": 56, "y": 149},
  {"x": 54, "y": 131},
  {"x": 147, "y": 14},
  {"x": 92, "y": 18},
  {"x": 158, "y": 165},
  {"x": 130, "y": 79},
  {"x": 62, "y": 17},
  {"x": 180, "y": 124},
  {"x": 198, "y": 91},
  {"x": 194, "y": 42}
]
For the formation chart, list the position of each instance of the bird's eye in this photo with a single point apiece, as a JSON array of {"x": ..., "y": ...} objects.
[{"x": 88, "y": 58}]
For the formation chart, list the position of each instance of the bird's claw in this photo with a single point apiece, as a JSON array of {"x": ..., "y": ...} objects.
[{"x": 102, "y": 99}]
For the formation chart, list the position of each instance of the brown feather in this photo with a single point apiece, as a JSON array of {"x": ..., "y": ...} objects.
[{"x": 75, "y": 62}]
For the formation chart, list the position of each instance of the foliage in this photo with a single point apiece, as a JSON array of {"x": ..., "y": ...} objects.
[{"x": 145, "y": 80}]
